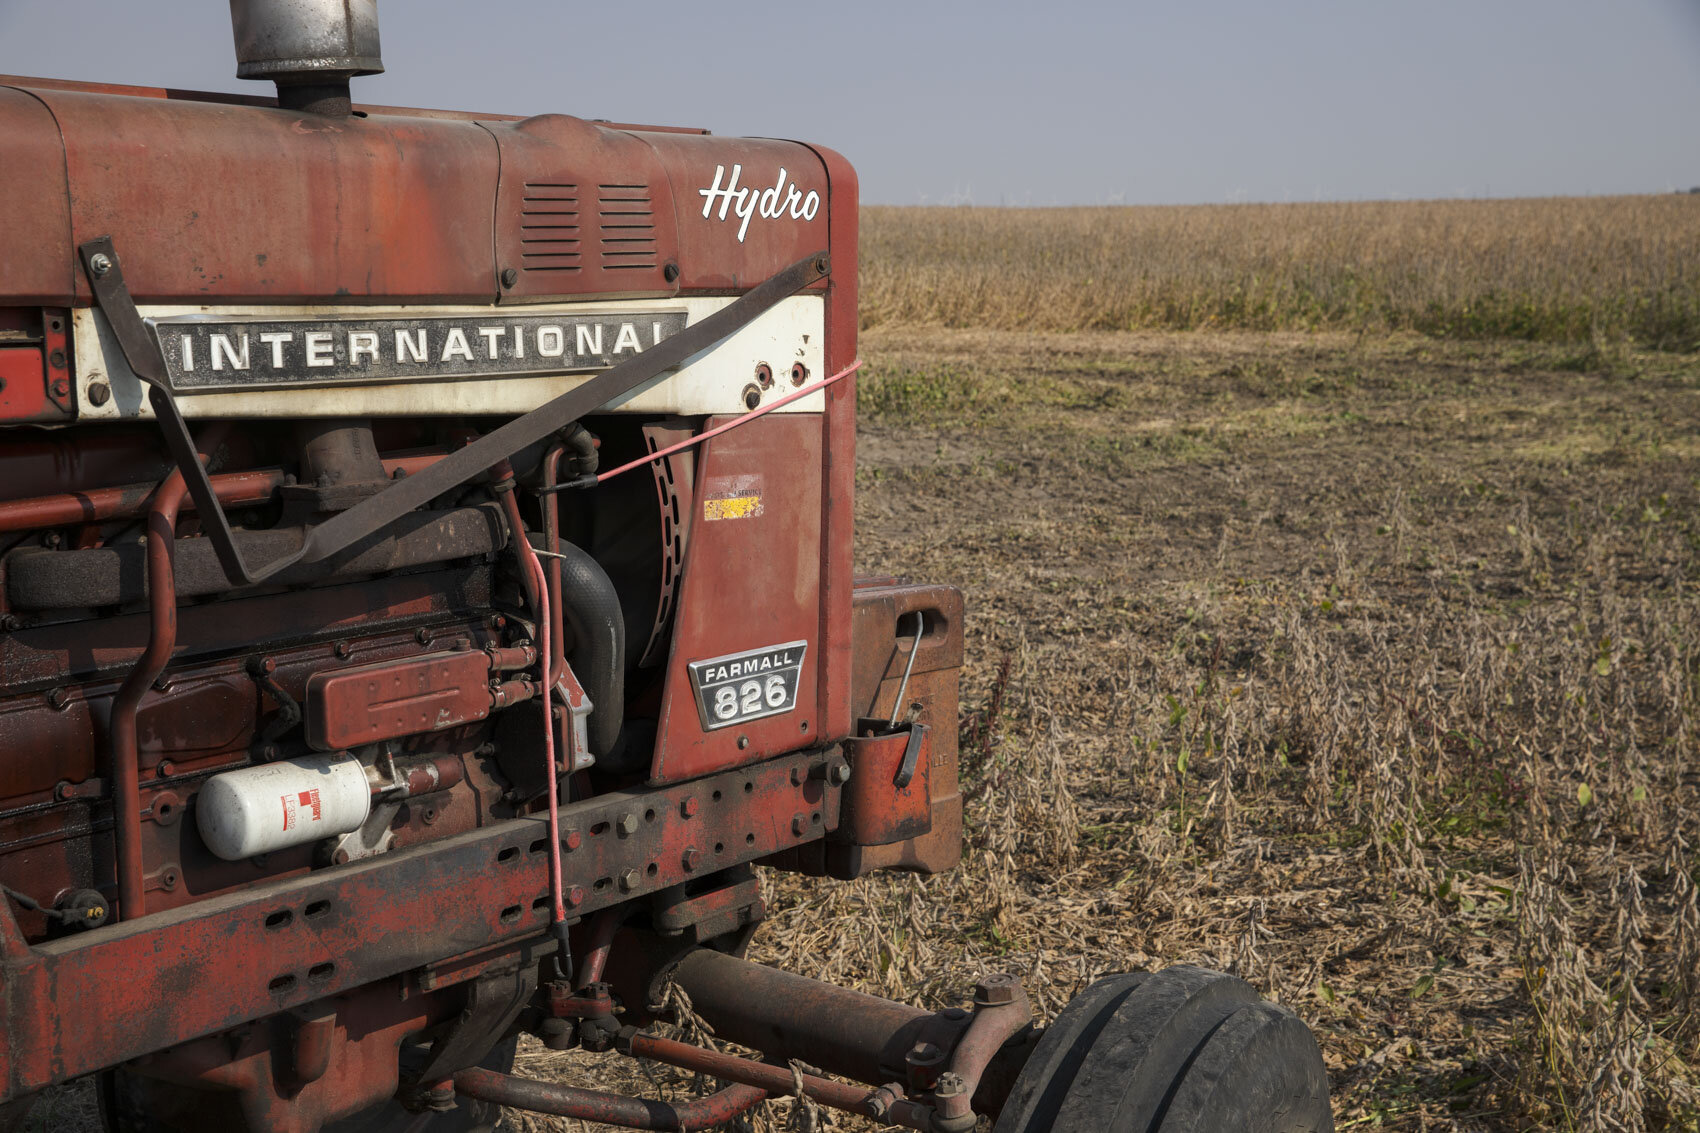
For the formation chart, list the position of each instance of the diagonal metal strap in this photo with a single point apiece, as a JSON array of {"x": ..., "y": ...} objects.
[{"x": 142, "y": 351}]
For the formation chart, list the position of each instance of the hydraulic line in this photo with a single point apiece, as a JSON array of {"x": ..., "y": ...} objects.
[
  {"x": 609, "y": 1109},
  {"x": 595, "y": 478},
  {"x": 537, "y": 587}
]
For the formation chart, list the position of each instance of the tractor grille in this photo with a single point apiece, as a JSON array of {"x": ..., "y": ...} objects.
[
  {"x": 627, "y": 227},
  {"x": 548, "y": 224}
]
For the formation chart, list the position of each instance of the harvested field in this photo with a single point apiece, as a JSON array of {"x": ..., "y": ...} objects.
[
  {"x": 1572, "y": 270},
  {"x": 1362, "y": 667}
]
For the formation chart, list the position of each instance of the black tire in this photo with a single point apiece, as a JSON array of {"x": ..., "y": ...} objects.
[{"x": 1183, "y": 1050}]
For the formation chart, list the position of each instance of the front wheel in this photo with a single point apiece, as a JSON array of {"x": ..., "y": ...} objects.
[{"x": 1183, "y": 1050}]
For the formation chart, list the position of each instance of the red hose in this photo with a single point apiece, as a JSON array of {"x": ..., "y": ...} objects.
[
  {"x": 718, "y": 429},
  {"x": 609, "y": 1109},
  {"x": 537, "y": 591},
  {"x": 162, "y": 639}
]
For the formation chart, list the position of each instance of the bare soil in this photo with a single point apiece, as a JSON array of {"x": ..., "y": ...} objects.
[{"x": 1360, "y": 666}]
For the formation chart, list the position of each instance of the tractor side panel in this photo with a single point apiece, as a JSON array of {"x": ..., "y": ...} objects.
[{"x": 752, "y": 580}]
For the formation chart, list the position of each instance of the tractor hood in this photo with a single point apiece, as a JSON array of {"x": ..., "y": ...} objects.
[{"x": 222, "y": 199}]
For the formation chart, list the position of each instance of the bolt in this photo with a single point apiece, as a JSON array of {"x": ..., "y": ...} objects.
[
  {"x": 691, "y": 859},
  {"x": 573, "y": 840},
  {"x": 626, "y": 824},
  {"x": 670, "y": 272},
  {"x": 423, "y": 635},
  {"x": 628, "y": 880},
  {"x": 440, "y": 1098},
  {"x": 994, "y": 990},
  {"x": 689, "y": 807},
  {"x": 797, "y": 776},
  {"x": 59, "y": 698},
  {"x": 99, "y": 394},
  {"x": 100, "y": 263},
  {"x": 51, "y": 539},
  {"x": 165, "y": 769},
  {"x": 61, "y": 388},
  {"x": 752, "y": 396},
  {"x": 574, "y": 897},
  {"x": 509, "y": 277},
  {"x": 799, "y": 824},
  {"x": 743, "y": 742},
  {"x": 497, "y": 621},
  {"x": 835, "y": 771},
  {"x": 162, "y": 683},
  {"x": 924, "y": 1054},
  {"x": 10, "y": 622},
  {"x": 340, "y": 857},
  {"x": 949, "y": 1086},
  {"x": 57, "y": 359},
  {"x": 343, "y": 649}
]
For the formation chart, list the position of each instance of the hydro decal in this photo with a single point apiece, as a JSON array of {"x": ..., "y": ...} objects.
[
  {"x": 204, "y": 352},
  {"x": 781, "y": 199}
]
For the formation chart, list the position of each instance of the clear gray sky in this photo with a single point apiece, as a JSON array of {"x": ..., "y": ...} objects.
[{"x": 1058, "y": 102}]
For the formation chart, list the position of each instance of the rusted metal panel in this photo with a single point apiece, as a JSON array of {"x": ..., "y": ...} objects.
[
  {"x": 751, "y": 581},
  {"x": 269, "y": 948},
  {"x": 583, "y": 209},
  {"x": 746, "y": 207},
  {"x": 36, "y": 262},
  {"x": 888, "y": 798},
  {"x": 398, "y": 698},
  {"x": 883, "y": 618},
  {"x": 239, "y": 202},
  {"x": 838, "y": 452},
  {"x": 23, "y": 386}
]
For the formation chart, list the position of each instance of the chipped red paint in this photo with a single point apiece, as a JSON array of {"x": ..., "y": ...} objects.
[
  {"x": 394, "y": 206},
  {"x": 750, "y": 582}
]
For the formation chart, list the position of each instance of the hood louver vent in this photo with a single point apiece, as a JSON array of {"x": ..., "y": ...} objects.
[
  {"x": 627, "y": 227},
  {"x": 549, "y": 230}
]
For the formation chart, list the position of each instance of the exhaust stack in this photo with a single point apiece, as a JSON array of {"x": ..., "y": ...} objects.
[{"x": 310, "y": 48}]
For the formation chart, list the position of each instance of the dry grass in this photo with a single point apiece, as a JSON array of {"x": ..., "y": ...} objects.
[
  {"x": 1364, "y": 668},
  {"x": 1572, "y": 270}
]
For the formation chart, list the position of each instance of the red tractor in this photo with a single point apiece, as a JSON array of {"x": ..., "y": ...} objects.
[{"x": 425, "y": 599}]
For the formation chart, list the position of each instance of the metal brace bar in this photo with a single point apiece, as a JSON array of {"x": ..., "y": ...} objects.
[{"x": 142, "y": 351}]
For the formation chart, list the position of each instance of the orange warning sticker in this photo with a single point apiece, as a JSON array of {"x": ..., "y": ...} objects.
[{"x": 740, "y": 505}]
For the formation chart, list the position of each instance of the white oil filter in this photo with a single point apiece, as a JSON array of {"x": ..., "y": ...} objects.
[{"x": 276, "y": 805}]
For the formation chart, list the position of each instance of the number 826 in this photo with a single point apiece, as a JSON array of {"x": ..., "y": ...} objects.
[{"x": 748, "y": 698}]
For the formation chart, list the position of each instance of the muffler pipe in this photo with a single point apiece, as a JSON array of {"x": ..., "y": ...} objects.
[{"x": 309, "y": 48}]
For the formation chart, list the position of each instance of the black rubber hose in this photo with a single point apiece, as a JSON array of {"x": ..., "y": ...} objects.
[{"x": 598, "y": 655}]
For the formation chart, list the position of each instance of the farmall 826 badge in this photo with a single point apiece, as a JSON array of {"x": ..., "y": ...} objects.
[
  {"x": 781, "y": 199},
  {"x": 748, "y": 685}
]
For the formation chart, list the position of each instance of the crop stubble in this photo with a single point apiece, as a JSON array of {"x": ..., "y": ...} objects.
[{"x": 1361, "y": 667}]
